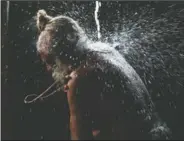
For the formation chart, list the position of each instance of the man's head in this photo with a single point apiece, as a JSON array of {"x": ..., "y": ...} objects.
[{"x": 57, "y": 41}]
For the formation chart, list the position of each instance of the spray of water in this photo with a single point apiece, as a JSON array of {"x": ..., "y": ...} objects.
[
  {"x": 149, "y": 43},
  {"x": 98, "y": 4},
  {"x": 7, "y": 9},
  {"x": 152, "y": 44}
]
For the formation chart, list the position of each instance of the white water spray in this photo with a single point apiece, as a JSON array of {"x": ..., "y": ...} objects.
[
  {"x": 98, "y": 4},
  {"x": 7, "y": 9}
]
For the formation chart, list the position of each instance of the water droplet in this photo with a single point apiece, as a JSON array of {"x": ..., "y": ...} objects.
[
  {"x": 41, "y": 137},
  {"x": 138, "y": 112},
  {"x": 148, "y": 117},
  {"x": 122, "y": 101}
]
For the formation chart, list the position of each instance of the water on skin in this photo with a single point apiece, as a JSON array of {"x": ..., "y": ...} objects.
[
  {"x": 152, "y": 45},
  {"x": 144, "y": 40}
]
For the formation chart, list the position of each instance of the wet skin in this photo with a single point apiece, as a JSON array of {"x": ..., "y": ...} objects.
[{"x": 80, "y": 126}]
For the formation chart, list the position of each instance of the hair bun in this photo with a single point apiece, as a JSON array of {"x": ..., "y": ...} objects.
[{"x": 42, "y": 19}]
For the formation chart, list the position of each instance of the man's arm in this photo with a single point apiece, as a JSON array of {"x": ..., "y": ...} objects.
[{"x": 80, "y": 125}]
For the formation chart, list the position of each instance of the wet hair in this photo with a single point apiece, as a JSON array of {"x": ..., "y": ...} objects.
[
  {"x": 63, "y": 42},
  {"x": 42, "y": 19}
]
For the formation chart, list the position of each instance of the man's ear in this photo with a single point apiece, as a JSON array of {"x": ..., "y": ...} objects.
[{"x": 42, "y": 19}]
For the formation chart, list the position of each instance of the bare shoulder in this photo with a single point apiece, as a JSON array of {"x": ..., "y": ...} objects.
[{"x": 83, "y": 78}]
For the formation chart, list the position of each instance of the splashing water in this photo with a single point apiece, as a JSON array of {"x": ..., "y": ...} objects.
[
  {"x": 151, "y": 45},
  {"x": 7, "y": 9},
  {"x": 98, "y": 4}
]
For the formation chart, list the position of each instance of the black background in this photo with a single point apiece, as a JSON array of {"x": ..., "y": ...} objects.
[{"x": 160, "y": 63}]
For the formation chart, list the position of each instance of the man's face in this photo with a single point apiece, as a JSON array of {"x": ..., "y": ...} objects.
[{"x": 59, "y": 71}]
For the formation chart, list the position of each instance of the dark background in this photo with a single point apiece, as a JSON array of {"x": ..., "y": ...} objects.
[{"x": 153, "y": 33}]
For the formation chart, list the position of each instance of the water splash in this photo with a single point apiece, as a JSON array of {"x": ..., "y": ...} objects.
[
  {"x": 98, "y": 4},
  {"x": 7, "y": 9},
  {"x": 152, "y": 44}
]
